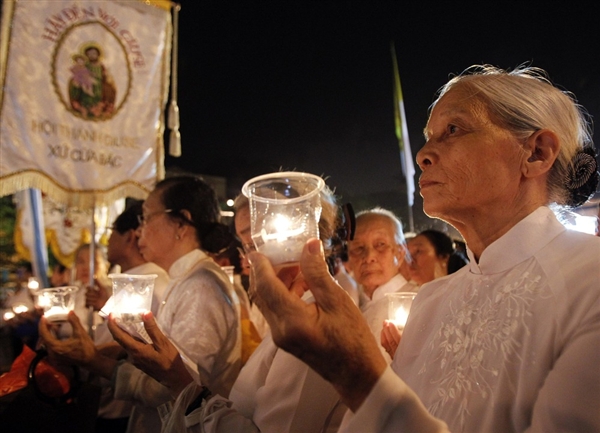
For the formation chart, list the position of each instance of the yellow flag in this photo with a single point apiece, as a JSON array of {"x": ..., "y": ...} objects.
[{"x": 408, "y": 167}]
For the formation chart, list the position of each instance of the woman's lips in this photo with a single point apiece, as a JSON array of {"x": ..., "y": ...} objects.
[{"x": 427, "y": 183}]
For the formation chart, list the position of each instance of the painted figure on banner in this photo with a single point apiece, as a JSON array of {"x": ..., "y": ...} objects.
[{"x": 92, "y": 91}]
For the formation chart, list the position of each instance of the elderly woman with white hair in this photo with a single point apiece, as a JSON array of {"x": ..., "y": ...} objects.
[{"x": 509, "y": 343}]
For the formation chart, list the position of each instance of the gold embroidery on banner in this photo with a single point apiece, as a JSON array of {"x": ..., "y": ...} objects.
[{"x": 97, "y": 88}]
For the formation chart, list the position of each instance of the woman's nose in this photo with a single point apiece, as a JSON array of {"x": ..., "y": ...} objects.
[{"x": 424, "y": 156}]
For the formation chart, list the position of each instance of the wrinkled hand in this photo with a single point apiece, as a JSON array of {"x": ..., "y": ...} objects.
[
  {"x": 330, "y": 335},
  {"x": 78, "y": 349},
  {"x": 390, "y": 337},
  {"x": 160, "y": 360},
  {"x": 97, "y": 296}
]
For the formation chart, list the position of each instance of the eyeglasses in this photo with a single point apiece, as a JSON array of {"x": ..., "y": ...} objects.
[{"x": 145, "y": 219}]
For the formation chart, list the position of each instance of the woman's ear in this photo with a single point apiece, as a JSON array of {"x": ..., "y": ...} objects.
[
  {"x": 132, "y": 236},
  {"x": 541, "y": 149}
]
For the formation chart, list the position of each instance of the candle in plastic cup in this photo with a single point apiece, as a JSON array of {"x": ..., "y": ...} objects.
[
  {"x": 132, "y": 296},
  {"x": 285, "y": 208},
  {"x": 399, "y": 304},
  {"x": 57, "y": 302}
]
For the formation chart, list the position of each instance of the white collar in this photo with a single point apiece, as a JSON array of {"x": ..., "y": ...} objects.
[
  {"x": 183, "y": 264},
  {"x": 391, "y": 286},
  {"x": 521, "y": 242}
]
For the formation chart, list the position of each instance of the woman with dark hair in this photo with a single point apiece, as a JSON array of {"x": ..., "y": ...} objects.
[
  {"x": 199, "y": 312},
  {"x": 274, "y": 392},
  {"x": 433, "y": 256}
]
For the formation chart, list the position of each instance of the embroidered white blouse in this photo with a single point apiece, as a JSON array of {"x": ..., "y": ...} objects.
[{"x": 509, "y": 344}]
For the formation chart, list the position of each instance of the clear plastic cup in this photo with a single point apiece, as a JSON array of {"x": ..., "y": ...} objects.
[
  {"x": 57, "y": 302},
  {"x": 399, "y": 304},
  {"x": 285, "y": 208},
  {"x": 132, "y": 296}
]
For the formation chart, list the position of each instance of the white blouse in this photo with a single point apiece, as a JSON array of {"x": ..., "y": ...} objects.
[
  {"x": 200, "y": 314},
  {"x": 509, "y": 344},
  {"x": 275, "y": 392}
]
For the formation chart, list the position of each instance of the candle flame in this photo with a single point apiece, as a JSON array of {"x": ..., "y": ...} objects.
[{"x": 401, "y": 316}]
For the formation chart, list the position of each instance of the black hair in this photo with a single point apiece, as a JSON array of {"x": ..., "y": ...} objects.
[
  {"x": 128, "y": 219},
  {"x": 192, "y": 193},
  {"x": 442, "y": 243},
  {"x": 444, "y": 247}
]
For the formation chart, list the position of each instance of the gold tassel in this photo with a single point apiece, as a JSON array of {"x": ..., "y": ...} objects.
[
  {"x": 175, "y": 143},
  {"x": 173, "y": 115}
]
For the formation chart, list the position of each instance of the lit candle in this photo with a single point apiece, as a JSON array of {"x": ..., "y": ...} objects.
[
  {"x": 132, "y": 296},
  {"x": 33, "y": 284},
  {"x": 43, "y": 302},
  {"x": 57, "y": 302},
  {"x": 400, "y": 317},
  {"x": 132, "y": 305},
  {"x": 284, "y": 243},
  {"x": 56, "y": 313},
  {"x": 399, "y": 304},
  {"x": 285, "y": 208},
  {"x": 20, "y": 308}
]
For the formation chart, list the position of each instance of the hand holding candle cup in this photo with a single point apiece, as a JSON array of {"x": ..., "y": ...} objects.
[
  {"x": 132, "y": 298},
  {"x": 285, "y": 208},
  {"x": 398, "y": 308}
]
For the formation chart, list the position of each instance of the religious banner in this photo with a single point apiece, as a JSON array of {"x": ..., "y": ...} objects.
[
  {"x": 82, "y": 97},
  {"x": 65, "y": 229}
]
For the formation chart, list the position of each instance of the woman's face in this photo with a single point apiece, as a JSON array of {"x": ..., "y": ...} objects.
[
  {"x": 426, "y": 265},
  {"x": 157, "y": 232},
  {"x": 375, "y": 257},
  {"x": 471, "y": 167}
]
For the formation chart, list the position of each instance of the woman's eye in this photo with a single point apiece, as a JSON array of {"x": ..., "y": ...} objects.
[
  {"x": 356, "y": 251},
  {"x": 452, "y": 129}
]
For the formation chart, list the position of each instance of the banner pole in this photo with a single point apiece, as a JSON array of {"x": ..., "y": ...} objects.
[{"x": 91, "y": 285}]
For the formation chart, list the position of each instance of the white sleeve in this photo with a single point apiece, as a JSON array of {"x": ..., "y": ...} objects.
[
  {"x": 214, "y": 415},
  {"x": 391, "y": 407},
  {"x": 569, "y": 400},
  {"x": 132, "y": 384},
  {"x": 294, "y": 398}
]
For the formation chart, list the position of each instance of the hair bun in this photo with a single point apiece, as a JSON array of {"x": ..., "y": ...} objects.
[
  {"x": 582, "y": 177},
  {"x": 215, "y": 237}
]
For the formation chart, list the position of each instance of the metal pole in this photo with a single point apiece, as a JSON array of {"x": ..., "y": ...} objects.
[{"x": 91, "y": 285}]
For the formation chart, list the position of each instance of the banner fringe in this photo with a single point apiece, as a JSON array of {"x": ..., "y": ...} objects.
[{"x": 78, "y": 199}]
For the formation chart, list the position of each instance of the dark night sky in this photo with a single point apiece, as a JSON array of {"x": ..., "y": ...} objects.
[{"x": 308, "y": 85}]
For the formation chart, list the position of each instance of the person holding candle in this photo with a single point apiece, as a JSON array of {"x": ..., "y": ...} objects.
[
  {"x": 511, "y": 343},
  {"x": 123, "y": 251},
  {"x": 274, "y": 392},
  {"x": 375, "y": 255},
  {"x": 432, "y": 255},
  {"x": 199, "y": 312}
]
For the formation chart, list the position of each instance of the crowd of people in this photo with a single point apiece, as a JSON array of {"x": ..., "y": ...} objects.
[{"x": 502, "y": 336}]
